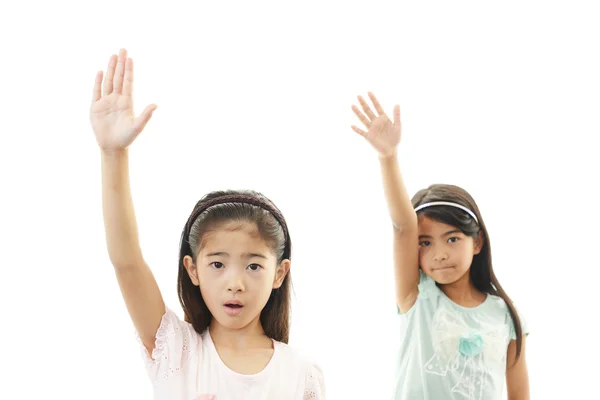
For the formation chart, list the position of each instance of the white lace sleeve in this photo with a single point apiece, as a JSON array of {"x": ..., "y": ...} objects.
[
  {"x": 315, "y": 384},
  {"x": 176, "y": 341}
]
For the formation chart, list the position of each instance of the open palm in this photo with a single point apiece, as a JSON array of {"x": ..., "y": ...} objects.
[
  {"x": 113, "y": 120},
  {"x": 382, "y": 133}
]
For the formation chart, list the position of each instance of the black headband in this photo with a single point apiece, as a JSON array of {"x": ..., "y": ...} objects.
[{"x": 241, "y": 198}]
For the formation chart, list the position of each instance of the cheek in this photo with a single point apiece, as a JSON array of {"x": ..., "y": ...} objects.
[
  {"x": 424, "y": 257},
  {"x": 262, "y": 284},
  {"x": 262, "y": 279},
  {"x": 464, "y": 256},
  {"x": 204, "y": 276},
  {"x": 209, "y": 283},
  {"x": 464, "y": 249}
]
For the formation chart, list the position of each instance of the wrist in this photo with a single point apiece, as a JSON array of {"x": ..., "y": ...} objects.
[
  {"x": 392, "y": 155},
  {"x": 114, "y": 156},
  {"x": 114, "y": 153}
]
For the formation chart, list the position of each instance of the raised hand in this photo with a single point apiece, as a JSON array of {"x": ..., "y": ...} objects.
[
  {"x": 113, "y": 121},
  {"x": 383, "y": 134}
]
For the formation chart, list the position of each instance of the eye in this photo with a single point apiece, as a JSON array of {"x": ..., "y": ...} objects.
[
  {"x": 425, "y": 243},
  {"x": 217, "y": 265},
  {"x": 453, "y": 240},
  {"x": 254, "y": 267}
]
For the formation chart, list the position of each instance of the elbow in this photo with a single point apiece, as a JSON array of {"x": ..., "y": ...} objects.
[
  {"x": 127, "y": 264},
  {"x": 403, "y": 227}
]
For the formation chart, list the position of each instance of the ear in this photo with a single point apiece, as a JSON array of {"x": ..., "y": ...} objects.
[
  {"x": 478, "y": 243},
  {"x": 191, "y": 269},
  {"x": 281, "y": 273}
]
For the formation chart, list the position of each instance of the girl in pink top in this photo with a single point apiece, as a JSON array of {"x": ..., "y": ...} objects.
[{"x": 233, "y": 283}]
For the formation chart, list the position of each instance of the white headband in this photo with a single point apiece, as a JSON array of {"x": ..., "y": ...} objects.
[{"x": 446, "y": 203}]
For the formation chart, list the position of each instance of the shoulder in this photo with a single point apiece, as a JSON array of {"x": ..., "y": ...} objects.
[
  {"x": 300, "y": 364},
  {"x": 428, "y": 288},
  {"x": 293, "y": 357},
  {"x": 174, "y": 332},
  {"x": 502, "y": 308},
  {"x": 176, "y": 343},
  {"x": 428, "y": 293},
  {"x": 500, "y": 305}
]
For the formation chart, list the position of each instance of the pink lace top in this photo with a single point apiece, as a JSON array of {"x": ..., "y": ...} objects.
[{"x": 185, "y": 366}]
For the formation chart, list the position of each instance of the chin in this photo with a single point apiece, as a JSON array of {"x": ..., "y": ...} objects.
[
  {"x": 448, "y": 277},
  {"x": 445, "y": 281},
  {"x": 231, "y": 322},
  {"x": 443, "y": 277}
]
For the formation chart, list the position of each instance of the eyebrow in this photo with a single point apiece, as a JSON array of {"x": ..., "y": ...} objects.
[
  {"x": 445, "y": 234},
  {"x": 244, "y": 255}
]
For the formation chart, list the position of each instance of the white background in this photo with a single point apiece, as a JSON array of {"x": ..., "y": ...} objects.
[{"x": 500, "y": 98}]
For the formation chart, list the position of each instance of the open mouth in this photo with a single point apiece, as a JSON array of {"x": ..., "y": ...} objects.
[
  {"x": 233, "y": 308},
  {"x": 233, "y": 305}
]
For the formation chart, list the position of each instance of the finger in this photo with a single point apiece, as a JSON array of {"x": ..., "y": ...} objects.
[
  {"x": 128, "y": 80},
  {"x": 396, "y": 115},
  {"x": 97, "y": 94},
  {"x": 358, "y": 130},
  {"x": 361, "y": 116},
  {"x": 376, "y": 104},
  {"x": 366, "y": 108},
  {"x": 120, "y": 71},
  {"x": 141, "y": 121},
  {"x": 110, "y": 73}
]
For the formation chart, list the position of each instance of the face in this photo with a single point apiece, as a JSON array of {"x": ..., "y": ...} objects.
[
  {"x": 236, "y": 271},
  {"x": 445, "y": 253}
]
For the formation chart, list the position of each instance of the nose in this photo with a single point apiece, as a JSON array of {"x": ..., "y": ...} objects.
[
  {"x": 235, "y": 283},
  {"x": 440, "y": 256}
]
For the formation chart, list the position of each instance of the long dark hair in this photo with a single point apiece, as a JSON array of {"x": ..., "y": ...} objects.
[
  {"x": 481, "y": 272},
  {"x": 236, "y": 205}
]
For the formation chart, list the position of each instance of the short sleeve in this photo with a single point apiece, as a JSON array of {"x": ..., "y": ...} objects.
[
  {"x": 315, "y": 384},
  {"x": 524, "y": 325},
  {"x": 176, "y": 342},
  {"x": 427, "y": 289}
]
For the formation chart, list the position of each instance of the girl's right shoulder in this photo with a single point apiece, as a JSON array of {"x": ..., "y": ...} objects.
[
  {"x": 427, "y": 286},
  {"x": 176, "y": 343},
  {"x": 427, "y": 289}
]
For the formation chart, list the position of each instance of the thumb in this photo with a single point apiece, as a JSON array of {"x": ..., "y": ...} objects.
[
  {"x": 396, "y": 115},
  {"x": 140, "y": 122}
]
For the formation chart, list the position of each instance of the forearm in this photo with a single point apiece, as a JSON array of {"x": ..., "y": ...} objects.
[
  {"x": 117, "y": 205},
  {"x": 523, "y": 395},
  {"x": 518, "y": 387},
  {"x": 398, "y": 201}
]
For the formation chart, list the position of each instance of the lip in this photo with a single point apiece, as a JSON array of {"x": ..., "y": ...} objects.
[
  {"x": 442, "y": 268},
  {"x": 231, "y": 311}
]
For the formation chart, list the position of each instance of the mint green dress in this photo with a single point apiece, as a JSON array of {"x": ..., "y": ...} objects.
[{"x": 450, "y": 352}]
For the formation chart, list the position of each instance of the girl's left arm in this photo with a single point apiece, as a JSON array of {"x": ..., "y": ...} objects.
[{"x": 517, "y": 377}]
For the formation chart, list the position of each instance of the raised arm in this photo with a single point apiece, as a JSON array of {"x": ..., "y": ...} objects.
[
  {"x": 384, "y": 135},
  {"x": 115, "y": 128}
]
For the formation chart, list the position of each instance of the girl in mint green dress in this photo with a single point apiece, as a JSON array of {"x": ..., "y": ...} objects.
[{"x": 462, "y": 338}]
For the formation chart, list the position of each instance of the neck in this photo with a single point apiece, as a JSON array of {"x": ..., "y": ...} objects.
[
  {"x": 463, "y": 290},
  {"x": 249, "y": 336}
]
